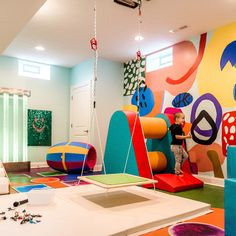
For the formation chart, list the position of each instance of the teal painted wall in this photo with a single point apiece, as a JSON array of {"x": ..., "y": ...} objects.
[
  {"x": 82, "y": 72},
  {"x": 109, "y": 91},
  {"x": 54, "y": 95},
  {"x": 50, "y": 95}
]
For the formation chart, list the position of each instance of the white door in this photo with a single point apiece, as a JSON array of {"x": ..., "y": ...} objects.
[{"x": 80, "y": 112}]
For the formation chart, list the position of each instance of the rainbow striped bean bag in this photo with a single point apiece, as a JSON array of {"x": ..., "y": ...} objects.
[{"x": 69, "y": 156}]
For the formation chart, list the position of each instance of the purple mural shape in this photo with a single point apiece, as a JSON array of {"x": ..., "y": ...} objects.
[
  {"x": 204, "y": 115},
  {"x": 208, "y": 97},
  {"x": 195, "y": 229}
]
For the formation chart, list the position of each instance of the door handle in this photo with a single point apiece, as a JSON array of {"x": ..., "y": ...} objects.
[{"x": 86, "y": 131}]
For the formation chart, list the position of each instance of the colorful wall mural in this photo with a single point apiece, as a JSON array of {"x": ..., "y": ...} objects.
[
  {"x": 131, "y": 73},
  {"x": 202, "y": 83}
]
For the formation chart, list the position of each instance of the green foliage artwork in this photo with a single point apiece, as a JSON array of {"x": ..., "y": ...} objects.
[
  {"x": 131, "y": 73},
  {"x": 39, "y": 127}
]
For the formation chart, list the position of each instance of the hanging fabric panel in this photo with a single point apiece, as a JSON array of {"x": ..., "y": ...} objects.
[{"x": 13, "y": 127}]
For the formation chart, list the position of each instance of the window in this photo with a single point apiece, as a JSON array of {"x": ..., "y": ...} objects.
[
  {"x": 158, "y": 60},
  {"x": 33, "y": 70}
]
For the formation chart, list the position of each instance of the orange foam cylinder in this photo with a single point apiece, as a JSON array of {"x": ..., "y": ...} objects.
[
  {"x": 187, "y": 128},
  {"x": 157, "y": 161},
  {"x": 153, "y": 127}
]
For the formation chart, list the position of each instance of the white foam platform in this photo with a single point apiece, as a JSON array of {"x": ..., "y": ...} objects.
[{"x": 90, "y": 210}]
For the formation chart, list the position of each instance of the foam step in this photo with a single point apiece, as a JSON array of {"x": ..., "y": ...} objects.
[
  {"x": 2, "y": 172},
  {"x": 174, "y": 183},
  {"x": 231, "y": 161},
  {"x": 230, "y": 209},
  {"x": 4, "y": 185}
]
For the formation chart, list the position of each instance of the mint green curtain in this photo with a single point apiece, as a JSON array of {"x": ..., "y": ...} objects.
[{"x": 13, "y": 127}]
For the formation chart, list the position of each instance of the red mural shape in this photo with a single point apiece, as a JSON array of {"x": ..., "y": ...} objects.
[
  {"x": 201, "y": 50},
  {"x": 198, "y": 154},
  {"x": 228, "y": 130},
  {"x": 184, "y": 57}
]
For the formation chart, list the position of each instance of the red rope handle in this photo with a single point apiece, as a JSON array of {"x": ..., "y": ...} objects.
[{"x": 93, "y": 44}]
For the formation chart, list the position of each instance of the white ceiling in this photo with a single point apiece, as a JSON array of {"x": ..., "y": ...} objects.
[
  {"x": 13, "y": 17},
  {"x": 64, "y": 27}
]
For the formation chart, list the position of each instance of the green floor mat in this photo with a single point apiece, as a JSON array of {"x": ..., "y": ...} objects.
[
  {"x": 12, "y": 174},
  {"x": 19, "y": 178},
  {"x": 51, "y": 173},
  {"x": 213, "y": 195}
]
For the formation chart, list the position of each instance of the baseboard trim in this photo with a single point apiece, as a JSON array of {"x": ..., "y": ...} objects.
[
  {"x": 39, "y": 164},
  {"x": 17, "y": 166},
  {"x": 43, "y": 164},
  {"x": 211, "y": 180}
]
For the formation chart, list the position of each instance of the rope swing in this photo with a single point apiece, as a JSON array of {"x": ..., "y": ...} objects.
[
  {"x": 138, "y": 61},
  {"x": 94, "y": 179}
]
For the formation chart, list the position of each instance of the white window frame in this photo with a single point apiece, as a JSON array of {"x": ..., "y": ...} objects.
[
  {"x": 34, "y": 70},
  {"x": 159, "y": 60}
]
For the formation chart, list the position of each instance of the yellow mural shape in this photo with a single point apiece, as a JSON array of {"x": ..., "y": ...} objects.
[{"x": 210, "y": 78}]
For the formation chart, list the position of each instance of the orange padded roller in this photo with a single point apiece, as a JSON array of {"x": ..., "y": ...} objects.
[
  {"x": 153, "y": 127},
  {"x": 157, "y": 161},
  {"x": 187, "y": 128}
]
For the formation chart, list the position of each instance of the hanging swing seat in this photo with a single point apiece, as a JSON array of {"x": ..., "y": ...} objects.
[{"x": 117, "y": 180}]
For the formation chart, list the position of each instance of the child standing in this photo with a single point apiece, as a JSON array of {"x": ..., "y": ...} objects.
[{"x": 177, "y": 141}]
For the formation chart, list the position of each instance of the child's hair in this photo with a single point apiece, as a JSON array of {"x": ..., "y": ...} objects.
[{"x": 177, "y": 115}]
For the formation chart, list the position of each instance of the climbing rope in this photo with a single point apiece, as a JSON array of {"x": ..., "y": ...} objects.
[
  {"x": 139, "y": 61},
  {"x": 94, "y": 47}
]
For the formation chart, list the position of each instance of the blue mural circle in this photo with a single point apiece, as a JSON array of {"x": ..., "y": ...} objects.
[
  {"x": 146, "y": 100},
  {"x": 182, "y": 100}
]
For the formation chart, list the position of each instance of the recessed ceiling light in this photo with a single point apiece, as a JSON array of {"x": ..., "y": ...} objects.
[
  {"x": 178, "y": 29},
  {"x": 39, "y": 48},
  {"x": 139, "y": 38}
]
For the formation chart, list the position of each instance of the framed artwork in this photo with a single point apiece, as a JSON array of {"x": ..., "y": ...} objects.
[{"x": 39, "y": 127}]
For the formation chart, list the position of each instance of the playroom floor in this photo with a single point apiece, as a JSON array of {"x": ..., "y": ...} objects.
[
  {"x": 22, "y": 181},
  {"x": 119, "y": 211},
  {"x": 213, "y": 195}
]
